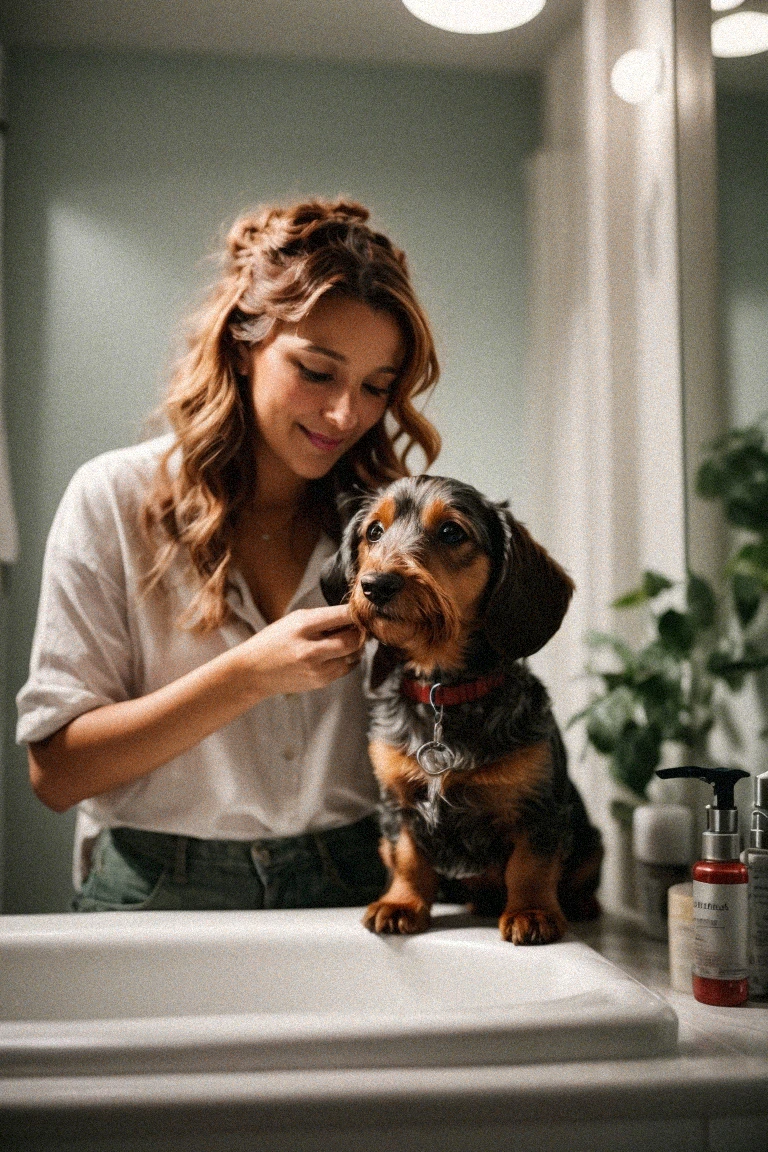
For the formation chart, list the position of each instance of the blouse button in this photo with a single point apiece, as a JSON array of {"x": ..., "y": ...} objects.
[{"x": 289, "y": 753}]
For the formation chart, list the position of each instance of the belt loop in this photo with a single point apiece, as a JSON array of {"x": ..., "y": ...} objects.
[{"x": 180, "y": 860}]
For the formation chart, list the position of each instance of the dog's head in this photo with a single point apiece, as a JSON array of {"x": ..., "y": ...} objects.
[{"x": 429, "y": 561}]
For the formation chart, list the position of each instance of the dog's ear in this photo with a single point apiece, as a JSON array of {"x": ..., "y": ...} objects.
[
  {"x": 531, "y": 596},
  {"x": 338, "y": 573}
]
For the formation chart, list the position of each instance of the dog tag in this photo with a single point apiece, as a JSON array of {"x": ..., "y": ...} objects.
[{"x": 435, "y": 758}]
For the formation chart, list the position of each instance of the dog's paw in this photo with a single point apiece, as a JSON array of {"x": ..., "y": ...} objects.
[
  {"x": 385, "y": 917},
  {"x": 532, "y": 926}
]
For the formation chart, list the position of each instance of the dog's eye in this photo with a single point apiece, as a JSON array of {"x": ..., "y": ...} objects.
[
  {"x": 451, "y": 533},
  {"x": 374, "y": 531}
]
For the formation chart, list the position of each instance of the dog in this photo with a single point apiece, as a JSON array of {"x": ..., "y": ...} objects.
[{"x": 475, "y": 797}]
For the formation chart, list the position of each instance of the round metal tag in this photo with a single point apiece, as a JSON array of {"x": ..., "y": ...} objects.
[{"x": 435, "y": 758}]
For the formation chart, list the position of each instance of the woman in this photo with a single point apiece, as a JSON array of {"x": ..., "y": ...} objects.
[{"x": 189, "y": 688}]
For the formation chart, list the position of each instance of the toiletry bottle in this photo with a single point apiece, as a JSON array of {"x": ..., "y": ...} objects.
[
  {"x": 662, "y": 847},
  {"x": 756, "y": 859},
  {"x": 719, "y": 895},
  {"x": 680, "y": 905}
]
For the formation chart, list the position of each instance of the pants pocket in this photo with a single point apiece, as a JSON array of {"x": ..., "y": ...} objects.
[{"x": 120, "y": 880}]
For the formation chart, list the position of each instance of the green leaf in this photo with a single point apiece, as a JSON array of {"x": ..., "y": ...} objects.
[
  {"x": 615, "y": 643},
  {"x": 751, "y": 561},
  {"x": 614, "y": 680},
  {"x": 663, "y": 701},
  {"x": 702, "y": 604},
  {"x": 636, "y": 755},
  {"x": 677, "y": 632},
  {"x": 756, "y": 664},
  {"x": 736, "y": 472},
  {"x": 654, "y": 688},
  {"x": 653, "y": 583},
  {"x": 600, "y": 735},
  {"x": 710, "y": 480},
  {"x": 656, "y": 657},
  {"x": 747, "y": 593},
  {"x": 723, "y": 666},
  {"x": 632, "y": 599},
  {"x": 607, "y": 717},
  {"x": 751, "y": 661},
  {"x": 748, "y": 510}
]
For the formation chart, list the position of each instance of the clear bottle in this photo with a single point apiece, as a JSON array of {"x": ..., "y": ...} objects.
[
  {"x": 756, "y": 859},
  {"x": 719, "y": 895}
]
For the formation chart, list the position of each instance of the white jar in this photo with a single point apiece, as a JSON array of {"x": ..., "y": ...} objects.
[
  {"x": 680, "y": 904},
  {"x": 662, "y": 846}
]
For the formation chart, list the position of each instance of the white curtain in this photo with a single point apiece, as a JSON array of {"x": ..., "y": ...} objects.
[{"x": 604, "y": 372}]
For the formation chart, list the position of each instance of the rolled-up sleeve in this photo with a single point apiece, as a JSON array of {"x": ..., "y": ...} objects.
[{"x": 81, "y": 653}]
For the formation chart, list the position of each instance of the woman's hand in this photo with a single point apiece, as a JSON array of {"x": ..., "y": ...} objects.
[
  {"x": 306, "y": 649},
  {"x": 119, "y": 743}
]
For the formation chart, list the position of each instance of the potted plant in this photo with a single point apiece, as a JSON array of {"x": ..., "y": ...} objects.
[{"x": 698, "y": 635}]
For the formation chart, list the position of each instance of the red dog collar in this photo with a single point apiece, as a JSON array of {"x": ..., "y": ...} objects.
[{"x": 450, "y": 693}]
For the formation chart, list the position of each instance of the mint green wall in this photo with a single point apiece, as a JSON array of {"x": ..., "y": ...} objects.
[
  {"x": 742, "y": 130},
  {"x": 120, "y": 171}
]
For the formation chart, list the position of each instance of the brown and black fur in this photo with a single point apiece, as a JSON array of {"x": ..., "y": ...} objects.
[{"x": 454, "y": 588}]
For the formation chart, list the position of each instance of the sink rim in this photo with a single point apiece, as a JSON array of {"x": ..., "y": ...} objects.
[{"x": 616, "y": 1020}]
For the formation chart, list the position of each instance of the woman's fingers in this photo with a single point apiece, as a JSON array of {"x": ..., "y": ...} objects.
[
  {"x": 333, "y": 633},
  {"x": 317, "y": 622},
  {"x": 340, "y": 666},
  {"x": 306, "y": 649},
  {"x": 341, "y": 645}
]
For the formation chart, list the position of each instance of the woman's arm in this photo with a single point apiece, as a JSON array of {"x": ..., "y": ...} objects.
[{"x": 119, "y": 743}]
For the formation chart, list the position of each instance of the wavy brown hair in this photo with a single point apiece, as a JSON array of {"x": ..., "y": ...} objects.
[{"x": 279, "y": 261}]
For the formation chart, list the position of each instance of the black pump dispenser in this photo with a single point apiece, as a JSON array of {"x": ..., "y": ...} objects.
[{"x": 721, "y": 840}]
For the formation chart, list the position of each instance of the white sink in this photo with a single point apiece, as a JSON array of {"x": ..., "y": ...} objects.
[{"x": 111, "y": 993}]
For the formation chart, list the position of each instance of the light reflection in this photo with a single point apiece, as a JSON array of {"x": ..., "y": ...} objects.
[
  {"x": 636, "y": 75},
  {"x": 475, "y": 17},
  {"x": 740, "y": 34}
]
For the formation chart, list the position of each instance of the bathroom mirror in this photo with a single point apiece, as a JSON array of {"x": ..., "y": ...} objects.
[
  {"x": 133, "y": 134},
  {"x": 741, "y": 102},
  {"x": 741, "y": 86}
]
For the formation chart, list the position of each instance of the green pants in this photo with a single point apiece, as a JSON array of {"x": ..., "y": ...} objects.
[{"x": 135, "y": 870}]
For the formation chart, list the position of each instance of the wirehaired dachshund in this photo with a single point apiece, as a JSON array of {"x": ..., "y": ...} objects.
[{"x": 475, "y": 796}]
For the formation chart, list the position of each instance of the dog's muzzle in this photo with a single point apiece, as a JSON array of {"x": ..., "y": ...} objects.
[{"x": 381, "y": 587}]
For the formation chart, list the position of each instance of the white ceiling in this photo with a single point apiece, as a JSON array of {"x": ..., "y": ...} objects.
[{"x": 381, "y": 31}]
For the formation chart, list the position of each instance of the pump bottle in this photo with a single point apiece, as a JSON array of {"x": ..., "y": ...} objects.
[
  {"x": 719, "y": 895},
  {"x": 756, "y": 859}
]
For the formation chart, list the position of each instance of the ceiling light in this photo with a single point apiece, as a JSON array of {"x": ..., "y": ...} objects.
[
  {"x": 475, "y": 16},
  {"x": 725, "y": 5},
  {"x": 742, "y": 34},
  {"x": 637, "y": 75}
]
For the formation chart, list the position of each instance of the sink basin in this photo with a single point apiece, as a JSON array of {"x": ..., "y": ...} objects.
[{"x": 111, "y": 993}]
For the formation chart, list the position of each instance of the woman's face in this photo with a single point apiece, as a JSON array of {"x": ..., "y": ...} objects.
[{"x": 321, "y": 384}]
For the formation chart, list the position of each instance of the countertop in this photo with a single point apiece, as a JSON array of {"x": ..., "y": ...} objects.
[
  {"x": 712, "y": 1096},
  {"x": 705, "y": 1031}
]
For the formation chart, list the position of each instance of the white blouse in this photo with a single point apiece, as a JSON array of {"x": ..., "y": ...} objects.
[{"x": 291, "y": 764}]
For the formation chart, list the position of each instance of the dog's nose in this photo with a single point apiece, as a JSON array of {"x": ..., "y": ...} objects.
[{"x": 381, "y": 587}]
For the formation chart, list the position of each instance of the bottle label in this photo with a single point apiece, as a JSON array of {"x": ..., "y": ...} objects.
[
  {"x": 720, "y": 931},
  {"x": 757, "y": 862}
]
